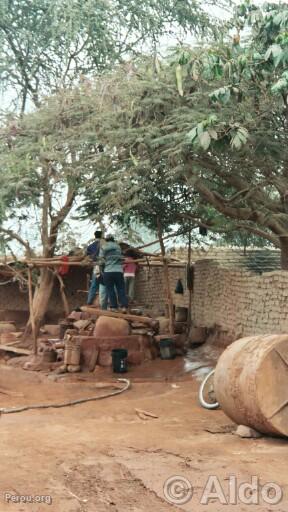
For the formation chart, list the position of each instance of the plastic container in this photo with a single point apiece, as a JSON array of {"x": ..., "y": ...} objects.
[
  {"x": 119, "y": 360},
  {"x": 167, "y": 349}
]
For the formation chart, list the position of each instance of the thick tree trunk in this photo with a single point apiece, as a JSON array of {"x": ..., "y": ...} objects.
[
  {"x": 40, "y": 301},
  {"x": 284, "y": 251}
]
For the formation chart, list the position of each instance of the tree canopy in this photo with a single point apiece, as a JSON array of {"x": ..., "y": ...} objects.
[
  {"x": 211, "y": 120},
  {"x": 48, "y": 44}
]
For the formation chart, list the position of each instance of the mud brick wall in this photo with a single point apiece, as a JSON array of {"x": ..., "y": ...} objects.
[
  {"x": 234, "y": 300},
  {"x": 150, "y": 288},
  {"x": 13, "y": 300},
  {"x": 240, "y": 302}
]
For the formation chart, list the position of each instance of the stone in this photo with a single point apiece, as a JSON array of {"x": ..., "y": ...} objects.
[
  {"x": 75, "y": 315},
  {"x": 136, "y": 358},
  {"x": 247, "y": 432},
  {"x": 6, "y": 327},
  {"x": 105, "y": 358},
  {"x": 73, "y": 368},
  {"x": 52, "y": 330},
  {"x": 108, "y": 326},
  {"x": 163, "y": 324},
  {"x": 197, "y": 335},
  {"x": 82, "y": 324},
  {"x": 129, "y": 342}
]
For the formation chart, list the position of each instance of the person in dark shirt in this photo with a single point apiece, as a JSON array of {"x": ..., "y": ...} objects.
[
  {"x": 94, "y": 248},
  {"x": 111, "y": 255},
  {"x": 93, "y": 251}
]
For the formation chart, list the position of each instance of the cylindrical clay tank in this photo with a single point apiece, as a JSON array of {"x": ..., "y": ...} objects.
[{"x": 251, "y": 383}]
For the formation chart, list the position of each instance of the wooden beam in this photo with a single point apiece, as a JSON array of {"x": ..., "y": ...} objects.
[
  {"x": 16, "y": 350},
  {"x": 32, "y": 317},
  {"x": 131, "y": 318}
]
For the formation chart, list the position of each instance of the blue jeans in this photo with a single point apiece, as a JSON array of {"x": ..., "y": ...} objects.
[
  {"x": 94, "y": 287},
  {"x": 103, "y": 297},
  {"x": 112, "y": 281}
]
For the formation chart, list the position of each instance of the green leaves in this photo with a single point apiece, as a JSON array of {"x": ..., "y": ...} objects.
[
  {"x": 204, "y": 139},
  {"x": 195, "y": 70},
  {"x": 222, "y": 95},
  {"x": 281, "y": 86},
  {"x": 203, "y": 133},
  {"x": 49, "y": 44},
  {"x": 239, "y": 137},
  {"x": 191, "y": 136},
  {"x": 179, "y": 81},
  {"x": 275, "y": 51}
]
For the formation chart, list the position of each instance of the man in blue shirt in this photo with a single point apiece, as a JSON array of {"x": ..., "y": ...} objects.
[
  {"x": 113, "y": 277},
  {"x": 93, "y": 251}
]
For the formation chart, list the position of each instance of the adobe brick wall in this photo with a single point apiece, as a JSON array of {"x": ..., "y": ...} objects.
[
  {"x": 150, "y": 289},
  {"x": 240, "y": 302},
  {"x": 13, "y": 300},
  {"x": 237, "y": 302}
]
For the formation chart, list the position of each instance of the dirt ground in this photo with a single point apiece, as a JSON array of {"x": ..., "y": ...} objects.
[{"x": 101, "y": 456}]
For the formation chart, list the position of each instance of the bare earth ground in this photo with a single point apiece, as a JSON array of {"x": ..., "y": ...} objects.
[{"x": 100, "y": 456}]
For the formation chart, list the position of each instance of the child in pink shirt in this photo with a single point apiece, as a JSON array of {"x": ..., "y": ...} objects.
[{"x": 130, "y": 268}]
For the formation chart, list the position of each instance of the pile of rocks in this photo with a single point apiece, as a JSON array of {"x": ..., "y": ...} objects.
[{"x": 87, "y": 337}]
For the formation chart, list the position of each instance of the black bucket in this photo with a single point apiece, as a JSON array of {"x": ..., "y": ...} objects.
[
  {"x": 119, "y": 360},
  {"x": 167, "y": 349}
]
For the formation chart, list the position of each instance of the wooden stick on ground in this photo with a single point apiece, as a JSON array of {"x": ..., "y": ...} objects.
[
  {"x": 31, "y": 309},
  {"x": 144, "y": 415},
  {"x": 16, "y": 350}
]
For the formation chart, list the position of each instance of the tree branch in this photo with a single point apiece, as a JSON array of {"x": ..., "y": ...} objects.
[
  {"x": 58, "y": 219},
  {"x": 259, "y": 232},
  {"x": 244, "y": 213},
  {"x": 15, "y": 236}
]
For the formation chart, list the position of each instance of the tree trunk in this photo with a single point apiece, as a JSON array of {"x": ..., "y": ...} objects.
[
  {"x": 40, "y": 301},
  {"x": 284, "y": 251}
]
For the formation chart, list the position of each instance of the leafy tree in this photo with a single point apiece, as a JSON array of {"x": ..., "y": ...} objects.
[
  {"x": 48, "y": 44},
  {"x": 45, "y": 166},
  {"x": 215, "y": 119},
  {"x": 50, "y": 156}
]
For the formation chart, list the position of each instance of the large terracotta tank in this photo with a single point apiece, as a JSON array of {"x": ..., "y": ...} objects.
[{"x": 251, "y": 383}]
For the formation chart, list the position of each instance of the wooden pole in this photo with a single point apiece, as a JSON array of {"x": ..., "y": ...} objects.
[
  {"x": 166, "y": 279},
  {"x": 32, "y": 318},
  {"x": 172, "y": 235},
  {"x": 189, "y": 319},
  {"x": 63, "y": 294}
]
